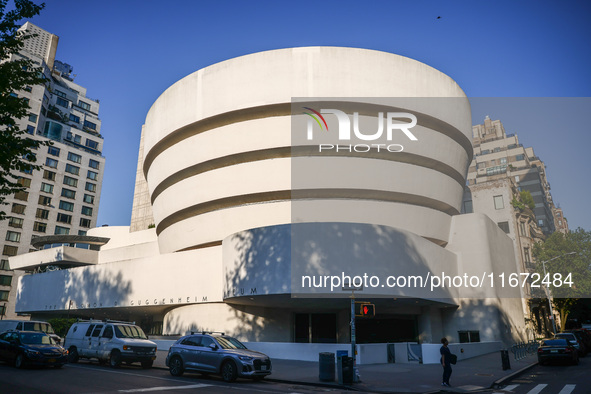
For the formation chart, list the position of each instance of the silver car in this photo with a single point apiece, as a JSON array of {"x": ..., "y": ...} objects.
[{"x": 210, "y": 353}]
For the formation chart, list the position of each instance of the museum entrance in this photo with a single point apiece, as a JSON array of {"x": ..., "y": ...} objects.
[{"x": 384, "y": 329}]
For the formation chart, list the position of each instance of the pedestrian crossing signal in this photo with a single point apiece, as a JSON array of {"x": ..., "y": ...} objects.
[{"x": 367, "y": 310}]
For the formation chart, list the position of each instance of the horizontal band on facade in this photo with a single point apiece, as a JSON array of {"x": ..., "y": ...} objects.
[
  {"x": 285, "y": 109},
  {"x": 303, "y": 151},
  {"x": 304, "y": 194}
]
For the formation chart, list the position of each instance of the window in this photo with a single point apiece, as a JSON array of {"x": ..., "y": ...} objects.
[
  {"x": 87, "y": 211},
  {"x": 62, "y": 103},
  {"x": 52, "y": 150},
  {"x": 97, "y": 330},
  {"x": 74, "y": 118},
  {"x": 92, "y": 144},
  {"x": 93, "y": 164},
  {"x": 89, "y": 125},
  {"x": 5, "y": 280},
  {"x": 40, "y": 227},
  {"x": 18, "y": 208},
  {"x": 522, "y": 229},
  {"x": 74, "y": 157},
  {"x": 72, "y": 169},
  {"x": 92, "y": 175},
  {"x": 49, "y": 175},
  {"x": 60, "y": 94},
  {"x": 70, "y": 181},
  {"x": 89, "y": 199},
  {"x": 49, "y": 162},
  {"x": 68, "y": 193},
  {"x": 517, "y": 178},
  {"x": 24, "y": 182},
  {"x": 467, "y": 206},
  {"x": 503, "y": 160},
  {"x": 469, "y": 336},
  {"x": 23, "y": 196},
  {"x": 43, "y": 200},
  {"x": 15, "y": 222},
  {"x": 4, "y": 265},
  {"x": 33, "y": 118},
  {"x": 66, "y": 206},
  {"x": 499, "y": 202},
  {"x": 31, "y": 129},
  {"x": 84, "y": 105},
  {"x": 519, "y": 157},
  {"x": 46, "y": 187},
  {"x": 81, "y": 232},
  {"x": 91, "y": 187},
  {"x": 42, "y": 213},
  {"x": 85, "y": 222},
  {"x": 9, "y": 250},
  {"x": 526, "y": 255},
  {"x": 4, "y": 296},
  {"x": 541, "y": 222},
  {"x": 61, "y": 230},
  {"x": 63, "y": 218},
  {"x": 13, "y": 236},
  {"x": 504, "y": 226}
]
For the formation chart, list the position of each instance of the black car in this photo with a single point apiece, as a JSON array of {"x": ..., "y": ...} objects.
[
  {"x": 31, "y": 348},
  {"x": 557, "y": 349}
]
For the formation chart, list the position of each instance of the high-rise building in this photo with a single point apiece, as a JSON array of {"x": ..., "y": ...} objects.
[
  {"x": 63, "y": 196},
  {"x": 498, "y": 155}
]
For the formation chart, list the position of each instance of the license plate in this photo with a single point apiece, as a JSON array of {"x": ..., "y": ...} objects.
[
  {"x": 553, "y": 351},
  {"x": 52, "y": 360},
  {"x": 263, "y": 367}
]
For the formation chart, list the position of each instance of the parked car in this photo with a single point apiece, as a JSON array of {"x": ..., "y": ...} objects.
[
  {"x": 30, "y": 325},
  {"x": 583, "y": 336},
  {"x": 110, "y": 341},
  {"x": 31, "y": 348},
  {"x": 569, "y": 336},
  {"x": 211, "y": 353},
  {"x": 558, "y": 349}
]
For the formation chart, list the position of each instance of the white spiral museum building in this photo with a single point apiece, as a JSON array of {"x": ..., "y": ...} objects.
[{"x": 251, "y": 189}]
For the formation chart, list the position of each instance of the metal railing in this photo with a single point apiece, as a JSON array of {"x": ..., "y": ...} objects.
[{"x": 523, "y": 349}]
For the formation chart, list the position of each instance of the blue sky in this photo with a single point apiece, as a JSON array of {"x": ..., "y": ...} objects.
[{"x": 127, "y": 52}]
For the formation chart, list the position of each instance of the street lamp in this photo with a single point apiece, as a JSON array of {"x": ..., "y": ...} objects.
[{"x": 549, "y": 293}]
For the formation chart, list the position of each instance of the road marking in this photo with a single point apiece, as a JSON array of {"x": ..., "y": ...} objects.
[
  {"x": 124, "y": 373},
  {"x": 192, "y": 386},
  {"x": 511, "y": 387},
  {"x": 567, "y": 389},
  {"x": 537, "y": 389}
]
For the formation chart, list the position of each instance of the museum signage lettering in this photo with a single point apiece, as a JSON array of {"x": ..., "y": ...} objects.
[{"x": 137, "y": 302}]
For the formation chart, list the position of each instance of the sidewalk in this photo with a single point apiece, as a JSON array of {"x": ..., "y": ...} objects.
[{"x": 468, "y": 375}]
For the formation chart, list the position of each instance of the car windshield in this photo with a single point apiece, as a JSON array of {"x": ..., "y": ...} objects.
[
  {"x": 129, "y": 332},
  {"x": 555, "y": 342},
  {"x": 35, "y": 339},
  {"x": 570, "y": 337},
  {"x": 230, "y": 343},
  {"x": 41, "y": 327}
]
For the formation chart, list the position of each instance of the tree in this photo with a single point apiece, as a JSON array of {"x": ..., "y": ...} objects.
[
  {"x": 567, "y": 259},
  {"x": 17, "y": 150}
]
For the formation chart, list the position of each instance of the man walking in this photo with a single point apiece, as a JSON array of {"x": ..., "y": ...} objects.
[{"x": 445, "y": 362}]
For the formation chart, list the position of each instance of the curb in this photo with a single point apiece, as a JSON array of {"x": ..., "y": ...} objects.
[{"x": 500, "y": 381}]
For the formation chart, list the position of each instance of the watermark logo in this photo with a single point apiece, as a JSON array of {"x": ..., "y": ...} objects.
[{"x": 389, "y": 124}]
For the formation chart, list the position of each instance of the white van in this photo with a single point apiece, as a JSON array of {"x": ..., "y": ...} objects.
[
  {"x": 30, "y": 325},
  {"x": 110, "y": 341}
]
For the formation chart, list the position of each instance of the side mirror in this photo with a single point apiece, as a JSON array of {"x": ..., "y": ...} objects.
[{"x": 213, "y": 346}]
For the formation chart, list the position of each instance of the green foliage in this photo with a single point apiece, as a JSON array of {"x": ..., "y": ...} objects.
[
  {"x": 564, "y": 255},
  {"x": 17, "y": 151},
  {"x": 517, "y": 204},
  {"x": 527, "y": 199},
  {"x": 61, "y": 325}
]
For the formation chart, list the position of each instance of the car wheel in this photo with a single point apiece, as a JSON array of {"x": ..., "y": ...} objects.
[
  {"x": 73, "y": 355},
  {"x": 229, "y": 371},
  {"x": 147, "y": 364},
  {"x": 175, "y": 366},
  {"x": 19, "y": 362},
  {"x": 115, "y": 359}
]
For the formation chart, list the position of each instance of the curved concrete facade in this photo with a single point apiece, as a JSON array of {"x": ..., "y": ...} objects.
[{"x": 219, "y": 150}]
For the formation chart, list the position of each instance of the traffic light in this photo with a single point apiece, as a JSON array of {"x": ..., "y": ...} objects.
[{"x": 367, "y": 310}]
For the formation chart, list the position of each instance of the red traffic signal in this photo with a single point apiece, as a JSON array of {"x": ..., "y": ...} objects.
[{"x": 367, "y": 310}]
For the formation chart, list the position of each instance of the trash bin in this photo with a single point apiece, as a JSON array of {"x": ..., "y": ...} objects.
[
  {"x": 340, "y": 355},
  {"x": 505, "y": 359},
  {"x": 326, "y": 367},
  {"x": 347, "y": 369}
]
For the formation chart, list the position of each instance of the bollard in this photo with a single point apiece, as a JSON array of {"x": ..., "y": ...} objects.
[{"x": 505, "y": 359}]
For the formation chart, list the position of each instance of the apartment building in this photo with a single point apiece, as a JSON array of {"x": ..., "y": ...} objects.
[{"x": 63, "y": 196}]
